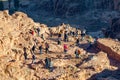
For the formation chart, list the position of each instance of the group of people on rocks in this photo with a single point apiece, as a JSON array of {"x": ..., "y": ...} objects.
[{"x": 48, "y": 61}]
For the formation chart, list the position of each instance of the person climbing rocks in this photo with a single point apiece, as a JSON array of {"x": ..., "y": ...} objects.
[
  {"x": 40, "y": 48},
  {"x": 38, "y": 31},
  {"x": 65, "y": 48},
  {"x": 59, "y": 35},
  {"x": 25, "y": 53},
  {"x": 33, "y": 49},
  {"x": 46, "y": 47},
  {"x": 83, "y": 33},
  {"x": 33, "y": 58},
  {"x": 65, "y": 36}
]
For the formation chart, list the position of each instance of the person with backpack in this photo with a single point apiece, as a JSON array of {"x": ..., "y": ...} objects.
[
  {"x": 77, "y": 53},
  {"x": 46, "y": 47}
]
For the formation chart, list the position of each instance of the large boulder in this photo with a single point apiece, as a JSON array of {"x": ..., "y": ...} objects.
[{"x": 111, "y": 47}]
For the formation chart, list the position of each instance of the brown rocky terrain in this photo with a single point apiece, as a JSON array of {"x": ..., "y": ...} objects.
[{"x": 15, "y": 35}]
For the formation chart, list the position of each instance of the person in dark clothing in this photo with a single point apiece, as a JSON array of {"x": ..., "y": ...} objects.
[
  {"x": 46, "y": 63},
  {"x": 40, "y": 49},
  {"x": 73, "y": 33},
  {"x": 66, "y": 37},
  {"x": 25, "y": 53},
  {"x": 77, "y": 41},
  {"x": 33, "y": 58},
  {"x": 33, "y": 48},
  {"x": 46, "y": 47}
]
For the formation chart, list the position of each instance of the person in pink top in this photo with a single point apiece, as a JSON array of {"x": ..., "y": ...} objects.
[{"x": 65, "y": 48}]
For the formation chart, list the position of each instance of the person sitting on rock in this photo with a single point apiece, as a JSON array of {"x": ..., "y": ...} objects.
[
  {"x": 65, "y": 48},
  {"x": 25, "y": 53},
  {"x": 46, "y": 47}
]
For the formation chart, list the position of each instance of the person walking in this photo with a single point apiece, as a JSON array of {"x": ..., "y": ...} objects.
[
  {"x": 25, "y": 53},
  {"x": 46, "y": 47},
  {"x": 33, "y": 58},
  {"x": 46, "y": 62},
  {"x": 77, "y": 41},
  {"x": 65, "y": 36}
]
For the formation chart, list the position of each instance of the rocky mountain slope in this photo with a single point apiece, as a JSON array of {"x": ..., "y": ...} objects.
[{"x": 15, "y": 35}]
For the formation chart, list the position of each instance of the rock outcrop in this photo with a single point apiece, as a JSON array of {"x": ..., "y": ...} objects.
[
  {"x": 111, "y": 47},
  {"x": 15, "y": 34}
]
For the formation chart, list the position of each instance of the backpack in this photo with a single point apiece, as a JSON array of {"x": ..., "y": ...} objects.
[{"x": 79, "y": 52}]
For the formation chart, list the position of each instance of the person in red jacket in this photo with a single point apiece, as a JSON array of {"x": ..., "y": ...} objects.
[{"x": 65, "y": 48}]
